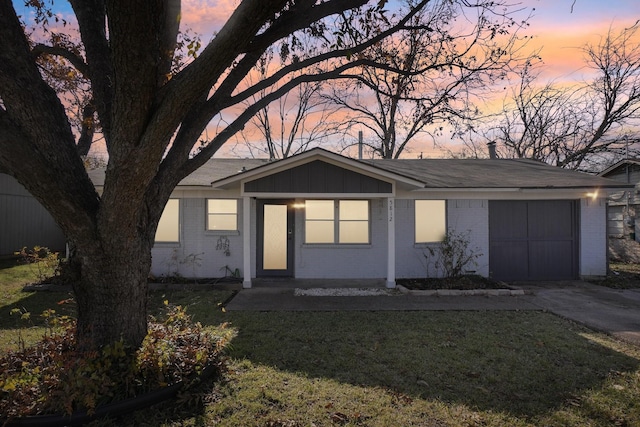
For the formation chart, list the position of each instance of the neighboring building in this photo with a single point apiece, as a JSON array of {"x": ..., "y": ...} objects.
[
  {"x": 324, "y": 216},
  {"x": 24, "y": 221},
  {"x": 623, "y": 205},
  {"x": 622, "y": 210}
]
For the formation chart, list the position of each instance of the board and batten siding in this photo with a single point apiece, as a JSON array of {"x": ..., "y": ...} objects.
[
  {"x": 318, "y": 177},
  {"x": 24, "y": 221}
]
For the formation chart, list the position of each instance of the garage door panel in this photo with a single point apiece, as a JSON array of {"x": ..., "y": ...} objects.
[
  {"x": 550, "y": 219},
  {"x": 533, "y": 239},
  {"x": 505, "y": 220},
  {"x": 514, "y": 255},
  {"x": 551, "y": 260}
]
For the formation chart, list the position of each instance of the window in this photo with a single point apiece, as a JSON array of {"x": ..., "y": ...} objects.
[
  {"x": 169, "y": 225},
  {"x": 319, "y": 221},
  {"x": 346, "y": 219},
  {"x": 430, "y": 222},
  {"x": 222, "y": 214}
]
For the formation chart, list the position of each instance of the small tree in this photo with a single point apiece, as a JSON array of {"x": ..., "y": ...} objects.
[{"x": 452, "y": 257}]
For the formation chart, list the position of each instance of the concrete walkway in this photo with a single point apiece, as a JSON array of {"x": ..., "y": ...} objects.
[{"x": 616, "y": 312}]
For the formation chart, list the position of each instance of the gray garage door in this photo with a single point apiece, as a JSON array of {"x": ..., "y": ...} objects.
[{"x": 533, "y": 240}]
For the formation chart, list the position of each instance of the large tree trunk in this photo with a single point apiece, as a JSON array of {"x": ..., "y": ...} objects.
[{"x": 111, "y": 292}]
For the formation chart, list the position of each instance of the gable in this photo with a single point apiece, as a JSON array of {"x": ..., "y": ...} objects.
[{"x": 318, "y": 177}]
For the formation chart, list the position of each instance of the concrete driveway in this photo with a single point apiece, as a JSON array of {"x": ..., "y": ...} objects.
[{"x": 614, "y": 311}]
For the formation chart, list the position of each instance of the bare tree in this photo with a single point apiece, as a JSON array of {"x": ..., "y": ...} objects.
[
  {"x": 294, "y": 123},
  {"x": 153, "y": 119},
  {"x": 433, "y": 72},
  {"x": 575, "y": 127},
  {"x": 534, "y": 121}
]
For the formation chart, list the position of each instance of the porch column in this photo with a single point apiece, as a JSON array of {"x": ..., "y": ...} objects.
[
  {"x": 246, "y": 241},
  {"x": 391, "y": 243}
]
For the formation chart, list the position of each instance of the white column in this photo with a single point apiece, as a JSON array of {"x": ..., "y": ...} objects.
[
  {"x": 391, "y": 243},
  {"x": 246, "y": 241}
]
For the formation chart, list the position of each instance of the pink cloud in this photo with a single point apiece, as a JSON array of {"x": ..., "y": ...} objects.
[{"x": 206, "y": 16}]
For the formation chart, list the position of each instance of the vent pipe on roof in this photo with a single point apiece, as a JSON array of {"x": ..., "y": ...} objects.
[
  {"x": 359, "y": 145},
  {"x": 492, "y": 150}
]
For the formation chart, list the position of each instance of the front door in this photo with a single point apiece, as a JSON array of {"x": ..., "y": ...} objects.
[{"x": 275, "y": 238}]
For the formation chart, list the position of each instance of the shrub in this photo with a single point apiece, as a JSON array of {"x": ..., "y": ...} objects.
[
  {"x": 45, "y": 264},
  {"x": 54, "y": 377},
  {"x": 453, "y": 257}
]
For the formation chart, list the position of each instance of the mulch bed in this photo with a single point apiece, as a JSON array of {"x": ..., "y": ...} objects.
[{"x": 466, "y": 282}]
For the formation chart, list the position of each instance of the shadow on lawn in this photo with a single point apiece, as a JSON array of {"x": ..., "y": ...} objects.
[
  {"x": 36, "y": 303},
  {"x": 525, "y": 364}
]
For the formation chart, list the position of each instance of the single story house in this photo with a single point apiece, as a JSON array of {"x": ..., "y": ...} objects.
[
  {"x": 319, "y": 215},
  {"x": 623, "y": 208},
  {"x": 623, "y": 205},
  {"x": 24, "y": 222}
]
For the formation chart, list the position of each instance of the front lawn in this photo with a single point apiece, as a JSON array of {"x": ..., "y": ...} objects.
[
  {"x": 392, "y": 368},
  {"x": 621, "y": 276}
]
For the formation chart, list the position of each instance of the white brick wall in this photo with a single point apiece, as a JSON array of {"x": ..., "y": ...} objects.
[
  {"x": 593, "y": 237},
  {"x": 344, "y": 261},
  {"x": 362, "y": 261},
  {"x": 472, "y": 216},
  {"x": 462, "y": 216},
  {"x": 197, "y": 244}
]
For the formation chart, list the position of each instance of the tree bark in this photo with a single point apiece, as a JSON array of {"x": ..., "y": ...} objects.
[{"x": 111, "y": 293}]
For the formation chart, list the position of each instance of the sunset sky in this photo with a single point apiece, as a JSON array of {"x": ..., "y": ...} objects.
[{"x": 559, "y": 28}]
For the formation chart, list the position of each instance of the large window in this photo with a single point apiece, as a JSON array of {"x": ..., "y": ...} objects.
[
  {"x": 169, "y": 225},
  {"x": 222, "y": 214},
  {"x": 337, "y": 221},
  {"x": 431, "y": 221}
]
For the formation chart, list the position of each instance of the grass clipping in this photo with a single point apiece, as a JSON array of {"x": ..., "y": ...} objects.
[{"x": 52, "y": 377}]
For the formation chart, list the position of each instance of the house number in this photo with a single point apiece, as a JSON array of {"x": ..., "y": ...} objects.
[{"x": 390, "y": 210}]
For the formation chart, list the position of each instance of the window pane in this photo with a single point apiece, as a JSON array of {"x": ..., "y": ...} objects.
[
  {"x": 169, "y": 225},
  {"x": 354, "y": 210},
  {"x": 319, "y": 209},
  {"x": 431, "y": 223},
  {"x": 222, "y": 214},
  {"x": 319, "y": 221},
  {"x": 319, "y": 232},
  {"x": 354, "y": 232},
  {"x": 229, "y": 206},
  {"x": 222, "y": 222},
  {"x": 354, "y": 221}
]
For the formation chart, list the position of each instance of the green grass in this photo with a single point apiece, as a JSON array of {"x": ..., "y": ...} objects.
[{"x": 398, "y": 369}]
